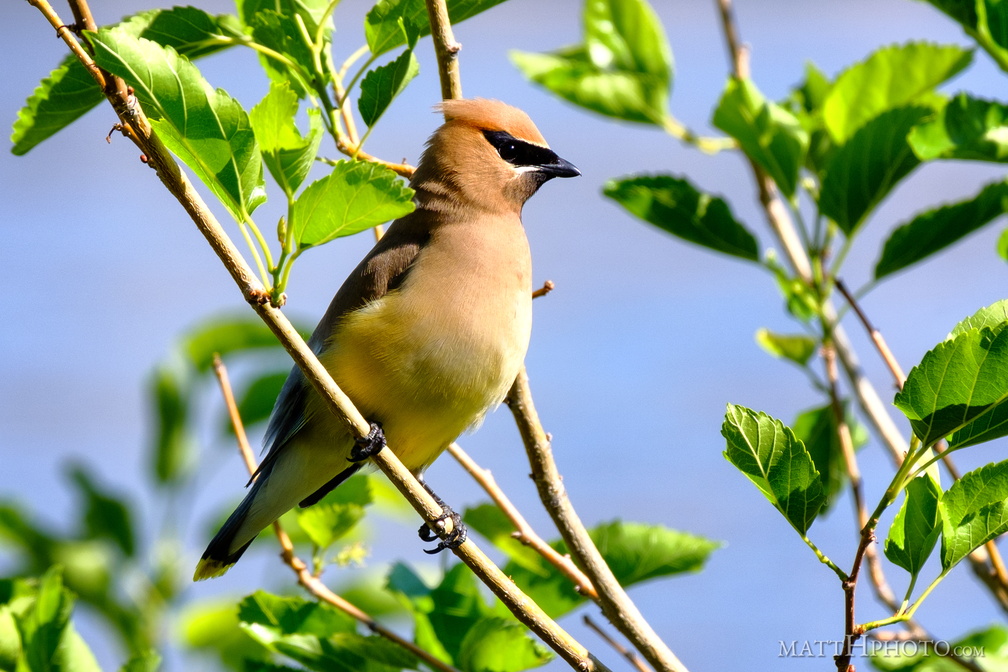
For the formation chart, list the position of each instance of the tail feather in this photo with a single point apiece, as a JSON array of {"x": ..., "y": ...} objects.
[{"x": 218, "y": 556}]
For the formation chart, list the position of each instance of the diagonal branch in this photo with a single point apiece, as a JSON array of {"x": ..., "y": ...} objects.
[{"x": 615, "y": 603}]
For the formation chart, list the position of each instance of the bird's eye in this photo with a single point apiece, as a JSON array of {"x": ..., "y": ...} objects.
[{"x": 508, "y": 151}]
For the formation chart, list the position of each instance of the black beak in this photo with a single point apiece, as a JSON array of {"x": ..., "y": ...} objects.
[{"x": 559, "y": 168}]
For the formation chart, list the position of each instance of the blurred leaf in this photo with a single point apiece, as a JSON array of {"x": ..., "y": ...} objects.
[
  {"x": 960, "y": 388},
  {"x": 357, "y": 195},
  {"x": 770, "y": 455},
  {"x": 224, "y": 336},
  {"x": 623, "y": 69},
  {"x": 288, "y": 156},
  {"x": 936, "y": 229},
  {"x": 989, "y": 25},
  {"x": 1002, "y": 245},
  {"x": 293, "y": 615},
  {"x": 255, "y": 402},
  {"x": 986, "y": 650},
  {"x": 801, "y": 300},
  {"x": 48, "y": 638},
  {"x": 635, "y": 552},
  {"x": 213, "y": 628},
  {"x": 501, "y": 645},
  {"x": 145, "y": 662},
  {"x": 864, "y": 170},
  {"x": 993, "y": 316},
  {"x": 207, "y": 129},
  {"x": 891, "y": 77},
  {"x": 767, "y": 133},
  {"x": 10, "y": 639},
  {"x": 325, "y": 523},
  {"x": 69, "y": 91},
  {"x": 382, "y": 29},
  {"x": 171, "y": 389},
  {"x": 105, "y": 516},
  {"x": 492, "y": 523},
  {"x": 974, "y": 511},
  {"x": 817, "y": 429},
  {"x": 806, "y": 103},
  {"x": 677, "y": 207},
  {"x": 916, "y": 527},
  {"x": 798, "y": 348},
  {"x": 380, "y": 86},
  {"x": 964, "y": 128}
]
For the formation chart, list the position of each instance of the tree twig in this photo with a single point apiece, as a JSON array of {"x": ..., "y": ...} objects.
[
  {"x": 615, "y": 603},
  {"x": 523, "y": 531},
  {"x": 445, "y": 48},
  {"x": 874, "y": 334},
  {"x": 309, "y": 581},
  {"x": 631, "y": 657},
  {"x": 547, "y": 287}
]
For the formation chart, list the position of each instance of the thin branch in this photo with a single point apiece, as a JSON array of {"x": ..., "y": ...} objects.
[
  {"x": 874, "y": 334},
  {"x": 547, "y": 287},
  {"x": 631, "y": 657},
  {"x": 64, "y": 33},
  {"x": 523, "y": 531},
  {"x": 615, "y": 603},
  {"x": 310, "y": 582},
  {"x": 445, "y": 48},
  {"x": 351, "y": 150},
  {"x": 159, "y": 158}
]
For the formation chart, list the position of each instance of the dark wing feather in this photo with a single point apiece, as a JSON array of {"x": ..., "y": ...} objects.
[{"x": 381, "y": 271}]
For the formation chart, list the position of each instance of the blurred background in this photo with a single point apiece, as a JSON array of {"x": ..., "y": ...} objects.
[{"x": 633, "y": 356}]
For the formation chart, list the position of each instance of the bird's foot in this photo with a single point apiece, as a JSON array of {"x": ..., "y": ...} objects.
[
  {"x": 434, "y": 530},
  {"x": 369, "y": 445}
]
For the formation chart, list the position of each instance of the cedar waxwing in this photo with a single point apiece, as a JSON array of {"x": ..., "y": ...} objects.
[{"x": 429, "y": 331}]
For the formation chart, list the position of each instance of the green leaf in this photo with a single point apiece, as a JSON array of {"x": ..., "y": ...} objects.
[
  {"x": 70, "y": 91},
  {"x": 105, "y": 516},
  {"x": 936, "y": 229},
  {"x": 380, "y": 86},
  {"x": 817, "y": 429},
  {"x": 207, "y": 129},
  {"x": 382, "y": 24},
  {"x": 280, "y": 33},
  {"x": 255, "y": 402},
  {"x": 635, "y": 552},
  {"x": 798, "y": 348},
  {"x": 868, "y": 166},
  {"x": 676, "y": 206},
  {"x": 288, "y": 156},
  {"x": 171, "y": 390},
  {"x": 964, "y": 128},
  {"x": 770, "y": 455},
  {"x": 916, "y": 527},
  {"x": 149, "y": 661},
  {"x": 985, "y": 649},
  {"x": 48, "y": 638},
  {"x": 994, "y": 316},
  {"x": 357, "y": 195},
  {"x": 892, "y": 77},
  {"x": 1002, "y": 245},
  {"x": 324, "y": 523},
  {"x": 500, "y": 645},
  {"x": 489, "y": 521},
  {"x": 960, "y": 388},
  {"x": 293, "y": 615},
  {"x": 224, "y": 336},
  {"x": 806, "y": 104},
  {"x": 312, "y": 12},
  {"x": 974, "y": 511},
  {"x": 767, "y": 133},
  {"x": 623, "y": 69}
]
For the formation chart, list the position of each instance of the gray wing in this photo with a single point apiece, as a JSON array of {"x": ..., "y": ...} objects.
[{"x": 381, "y": 271}]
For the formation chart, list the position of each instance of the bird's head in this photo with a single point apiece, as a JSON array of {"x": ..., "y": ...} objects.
[{"x": 488, "y": 153}]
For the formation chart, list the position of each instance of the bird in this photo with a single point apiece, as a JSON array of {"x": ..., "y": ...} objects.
[{"x": 427, "y": 333}]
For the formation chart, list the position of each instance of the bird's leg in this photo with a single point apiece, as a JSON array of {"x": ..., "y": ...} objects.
[
  {"x": 427, "y": 532},
  {"x": 369, "y": 445}
]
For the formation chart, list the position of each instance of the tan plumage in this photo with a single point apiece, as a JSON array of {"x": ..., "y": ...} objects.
[{"x": 427, "y": 333}]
